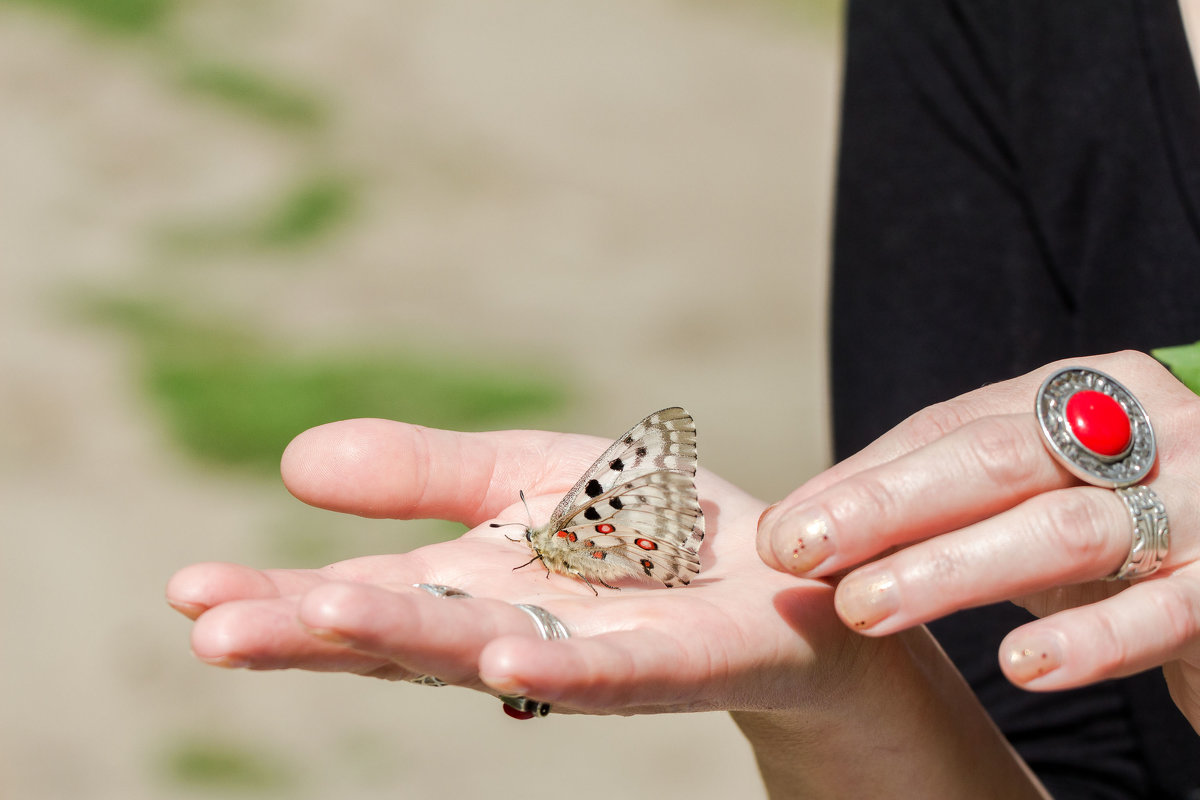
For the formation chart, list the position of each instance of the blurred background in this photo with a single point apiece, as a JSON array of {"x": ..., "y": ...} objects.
[{"x": 223, "y": 222}]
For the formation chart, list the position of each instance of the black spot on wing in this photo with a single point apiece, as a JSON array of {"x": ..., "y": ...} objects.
[
  {"x": 591, "y": 513},
  {"x": 616, "y": 465},
  {"x": 593, "y": 488}
]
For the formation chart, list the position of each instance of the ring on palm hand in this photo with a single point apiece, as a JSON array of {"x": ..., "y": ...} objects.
[
  {"x": 1098, "y": 430},
  {"x": 550, "y": 628},
  {"x": 437, "y": 590}
]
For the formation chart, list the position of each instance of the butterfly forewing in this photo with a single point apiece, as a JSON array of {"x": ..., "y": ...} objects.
[{"x": 634, "y": 512}]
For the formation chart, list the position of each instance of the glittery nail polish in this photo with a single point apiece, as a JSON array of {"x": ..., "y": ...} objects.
[{"x": 865, "y": 601}]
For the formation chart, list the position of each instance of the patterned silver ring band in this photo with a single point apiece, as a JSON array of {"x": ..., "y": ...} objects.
[
  {"x": 1098, "y": 431},
  {"x": 1151, "y": 534},
  {"x": 550, "y": 628},
  {"x": 437, "y": 590}
]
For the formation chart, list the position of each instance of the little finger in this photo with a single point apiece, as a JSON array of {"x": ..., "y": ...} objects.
[{"x": 1150, "y": 623}]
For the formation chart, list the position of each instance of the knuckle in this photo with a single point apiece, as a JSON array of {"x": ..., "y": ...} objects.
[
  {"x": 865, "y": 497},
  {"x": 1077, "y": 528},
  {"x": 944, "y": 565},
  {"x": 1111, "y": 650},
  {"x": 1001, "y": 448},
  {"x": 1178, "y": 610},
  {"x": 1132, "y": 361},
  {"x": 933, "y": 422}
]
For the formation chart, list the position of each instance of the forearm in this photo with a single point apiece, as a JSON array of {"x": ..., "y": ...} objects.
[{"x": 913, "y": 728}]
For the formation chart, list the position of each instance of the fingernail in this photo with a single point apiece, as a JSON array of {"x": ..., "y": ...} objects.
[
  {"x": 327, "y": 634},
  {"x": 801, "y": 539},
  {"x": 227, "y": 662},
  {"x": 189, "y": 610},
  {"x": 865, "y": 601},
  {"x": 1033, "y": 656},
  {"x": 505, "y": 684}
]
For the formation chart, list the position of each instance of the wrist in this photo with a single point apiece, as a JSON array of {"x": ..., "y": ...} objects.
[{"x": 902, "y": 720}]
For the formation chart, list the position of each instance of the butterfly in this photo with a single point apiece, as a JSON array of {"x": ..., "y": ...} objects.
[{"x": 635, "y": 512}]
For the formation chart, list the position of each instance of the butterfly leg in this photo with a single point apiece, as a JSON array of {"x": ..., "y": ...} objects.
[{"x": 584, "y": 578}]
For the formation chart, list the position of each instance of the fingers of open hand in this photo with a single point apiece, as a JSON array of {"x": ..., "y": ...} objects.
[
  {"x": 975, "y": 471},
  {"x": 263, "y": 634},
  {"x": 380, "y": 468},
  {"x": 417, "y": 632},
  {"x": 624, "y": 672},
  {"x": 1149, "y": 623},
  {"x": 198, "y": 587},
  {"x": 1056, "y": 538},
  {"x": 358, "y": 628}
]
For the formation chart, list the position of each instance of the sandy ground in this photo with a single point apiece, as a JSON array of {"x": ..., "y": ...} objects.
[{"x": 633, "y": 193}]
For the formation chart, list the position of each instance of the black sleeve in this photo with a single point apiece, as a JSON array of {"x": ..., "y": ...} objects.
[{"x": 1007, "y": 195}]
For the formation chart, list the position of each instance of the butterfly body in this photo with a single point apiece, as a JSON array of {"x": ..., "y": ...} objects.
[{"x": 634, "y": 513}]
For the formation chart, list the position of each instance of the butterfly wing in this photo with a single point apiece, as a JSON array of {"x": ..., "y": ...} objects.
[{"x": 635, "y": 510}]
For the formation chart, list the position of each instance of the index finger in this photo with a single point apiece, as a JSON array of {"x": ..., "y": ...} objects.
[{"x": 979, "y": 470}]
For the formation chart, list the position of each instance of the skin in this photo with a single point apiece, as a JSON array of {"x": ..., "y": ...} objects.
[
  {"x": 811, "y": 695},
  {"x": 962, "y": 505}
]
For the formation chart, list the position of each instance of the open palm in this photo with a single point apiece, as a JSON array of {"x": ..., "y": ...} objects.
[{"x": 721, "y": 642}]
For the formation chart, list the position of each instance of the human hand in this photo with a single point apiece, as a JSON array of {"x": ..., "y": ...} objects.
[
  {"x": 719, "y": 643},
  {"x": 962, "y": 505}
]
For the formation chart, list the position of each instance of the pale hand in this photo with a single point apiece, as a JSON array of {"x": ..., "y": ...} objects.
[{"x": 962, "y": 505}]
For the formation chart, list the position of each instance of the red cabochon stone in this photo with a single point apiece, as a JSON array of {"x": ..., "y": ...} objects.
[
  {"x": 515, "y": 714},
  {"x": 1099, "y": 423}
]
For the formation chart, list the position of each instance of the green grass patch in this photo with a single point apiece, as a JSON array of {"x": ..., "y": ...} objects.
[
  {"x": 304, "y": 213},
  {"x": 232, "y": 399},
  {"x": 112, "y": 16},
  {"x": 214, "y": 765},
  {"x": 254, "y": 94},
  {"x": 1183, "y": 361},
  {"x": 309, "y": 210}
]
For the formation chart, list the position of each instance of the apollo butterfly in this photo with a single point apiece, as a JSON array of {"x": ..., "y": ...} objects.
[{"x": 635, "y": 512}]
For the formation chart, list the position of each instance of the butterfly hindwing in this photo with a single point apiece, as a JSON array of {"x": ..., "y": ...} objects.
[{"x": 634, "y": 512}]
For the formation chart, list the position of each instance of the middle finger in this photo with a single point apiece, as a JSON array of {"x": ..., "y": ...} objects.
[{"x": 1060, "y": 538}]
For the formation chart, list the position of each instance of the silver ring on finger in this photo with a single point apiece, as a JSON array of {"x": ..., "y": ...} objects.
[
  {"x": 1151, "y": 534},
  {"x": 437, "y": 590},
  {"x": 441, "y": 590},
  {"x": 1098, "y": 430},
  {"x": 550, "y": 628}
]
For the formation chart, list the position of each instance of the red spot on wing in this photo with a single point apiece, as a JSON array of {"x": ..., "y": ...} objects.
[
  {"x": 605, "y": 528},
  {"x": 646, "y": 544},
  {"x": 598, "y": 554},
  {"x": 563, "y": 535}
]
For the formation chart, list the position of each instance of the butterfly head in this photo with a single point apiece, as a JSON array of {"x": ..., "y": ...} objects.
[{"x": 528, "y": 528}]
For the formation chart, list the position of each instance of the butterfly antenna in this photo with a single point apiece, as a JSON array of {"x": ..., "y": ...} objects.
[{"x": 521, "y": 494}]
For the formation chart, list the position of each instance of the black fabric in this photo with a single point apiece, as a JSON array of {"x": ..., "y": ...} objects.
[{"x": 1018, "y": 181}]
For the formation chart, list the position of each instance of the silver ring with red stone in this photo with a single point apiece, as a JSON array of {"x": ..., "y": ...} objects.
[
  {"x": 1095, "y": 427},
  {"x": 1099, "y": 431}
]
